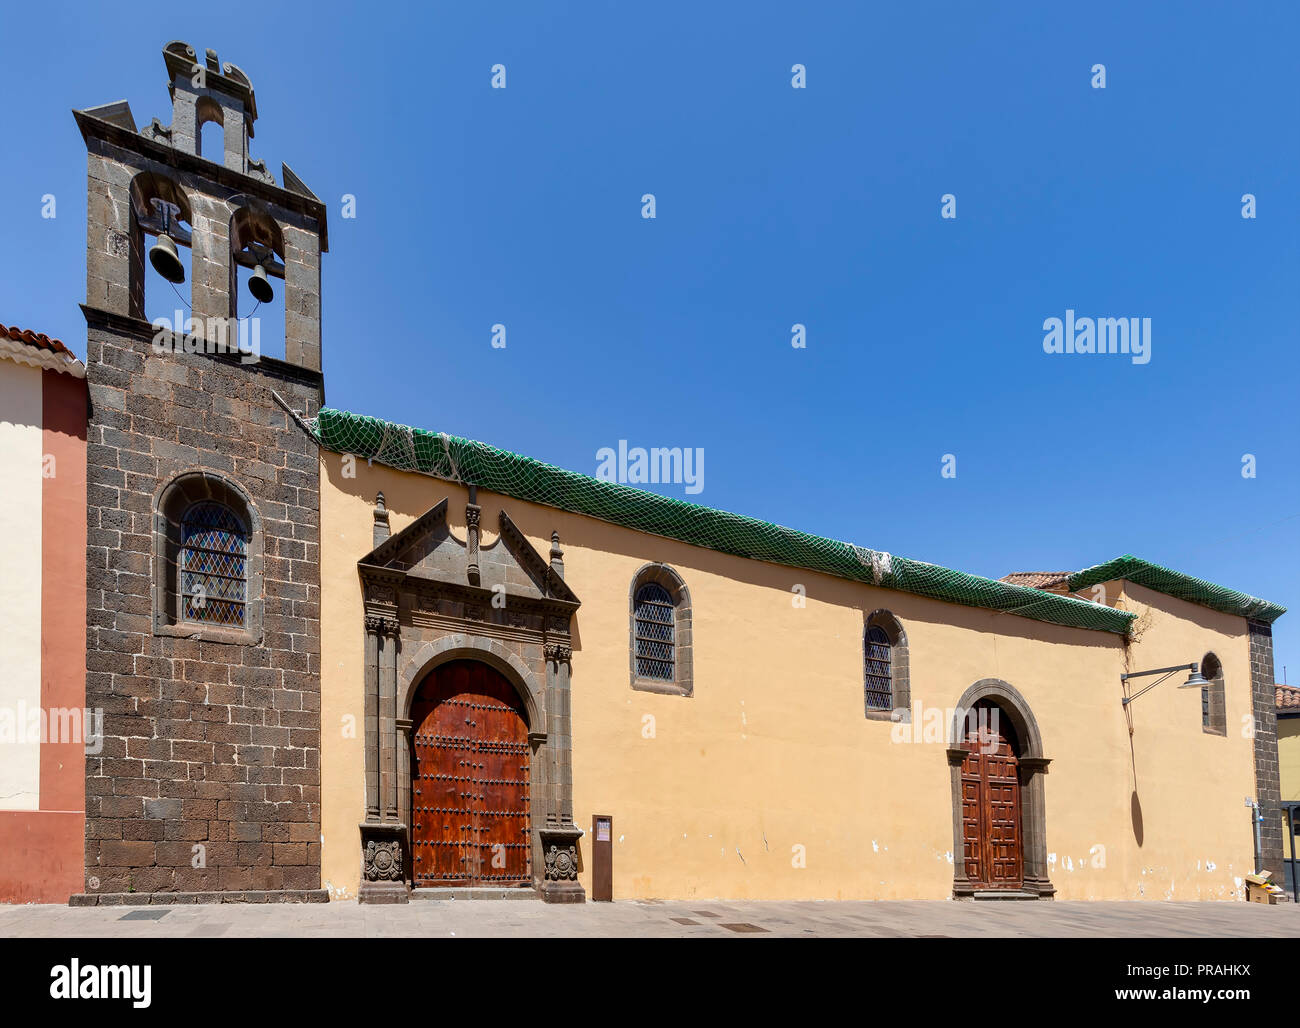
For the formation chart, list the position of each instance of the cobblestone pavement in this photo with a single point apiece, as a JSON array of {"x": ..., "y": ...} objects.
[{"x": 667, "y": 919}]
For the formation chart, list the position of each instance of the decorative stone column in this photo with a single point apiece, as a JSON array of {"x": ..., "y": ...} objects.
[
  {"x": 404, "y": 727},
  {"x": 473, "y": 513},
  {"x": 388, "y": 718},
  {"x": 383, "y": 833},
  {"x": 962, "y": 887},
  {"x": 1033, "y": 804},
  {"x": 559, "y": 834},
  {"x": 371, "y": 734}
]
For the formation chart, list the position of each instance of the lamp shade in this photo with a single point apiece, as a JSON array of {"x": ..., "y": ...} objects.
[{"x": 1195, "y": 680}]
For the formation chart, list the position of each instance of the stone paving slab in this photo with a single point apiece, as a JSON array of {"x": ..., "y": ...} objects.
[{"x": 662, "y": 919}]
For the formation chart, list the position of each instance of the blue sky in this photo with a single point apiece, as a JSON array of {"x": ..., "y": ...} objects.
[{"x": 776, "y": 206}]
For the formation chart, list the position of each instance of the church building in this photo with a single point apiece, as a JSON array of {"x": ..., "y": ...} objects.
[{"x": 344, "y": 659}]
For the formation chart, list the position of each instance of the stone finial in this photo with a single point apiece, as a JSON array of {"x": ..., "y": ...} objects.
[
  {"x": 557, "y": 555},
  {"x": 382, "y": 530}
]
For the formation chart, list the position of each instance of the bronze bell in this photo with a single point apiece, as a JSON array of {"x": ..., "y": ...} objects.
[
  {"x": 163, "y": 257},
  {"x": 260, "y": 286}
]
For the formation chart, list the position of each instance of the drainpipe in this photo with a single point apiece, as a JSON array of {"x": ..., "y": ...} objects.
[{"x": 1258, "y": 818}]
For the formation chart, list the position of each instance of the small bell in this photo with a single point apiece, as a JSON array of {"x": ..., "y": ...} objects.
[
  {"x": 260, "y": 286},
  {"x": 163, "y": 257}
]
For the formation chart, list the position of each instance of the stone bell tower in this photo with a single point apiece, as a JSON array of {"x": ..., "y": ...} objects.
[{"x": 203, "y": 581}]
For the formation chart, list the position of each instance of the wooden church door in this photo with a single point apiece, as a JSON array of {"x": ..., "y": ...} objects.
[
  {"x": 990, "y": 790},
  {"x": 469, "y": 780}
]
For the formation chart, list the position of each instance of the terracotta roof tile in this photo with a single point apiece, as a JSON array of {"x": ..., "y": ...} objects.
[
  {"x": 37, "y": 339},
  {"x": 1036, "y": 579},
  {"x": 1288, "y": 697}
]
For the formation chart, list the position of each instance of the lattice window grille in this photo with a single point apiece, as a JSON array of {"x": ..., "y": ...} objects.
[
  {"x": 213, "y": 566},
  {"x": 655, "y": 614},
  {"x": 879, "y": 674}
]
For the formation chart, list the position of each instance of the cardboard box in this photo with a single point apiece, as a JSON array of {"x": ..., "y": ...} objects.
[
  {"x": 1259, "y": 894},
  {"x": 1259, "y": 888}
]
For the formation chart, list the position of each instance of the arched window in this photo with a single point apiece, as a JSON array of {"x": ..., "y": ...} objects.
[
  {"x": 660, "y": 649},
  {"x": 879, "y": 678},
  {"x": 207, "y": 561},
  {"x": 213, "y": 566},
  {"x": 885, "y": 686},
  {"x": 1214, "y": 713}
]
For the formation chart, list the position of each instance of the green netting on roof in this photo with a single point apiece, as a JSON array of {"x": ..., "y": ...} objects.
[
  {"x": 500, "y": 471},
  {"x": 1175, "y": 583}
]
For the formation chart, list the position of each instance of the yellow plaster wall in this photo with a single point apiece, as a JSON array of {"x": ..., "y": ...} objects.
[
  {"x": 1288, "y": 754},
  {"x": 1190, "y": 786},
  {"x": 720, "y": 794},
  {"x": 1288, "y": 759}
]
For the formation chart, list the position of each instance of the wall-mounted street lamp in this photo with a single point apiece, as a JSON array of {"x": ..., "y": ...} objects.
[{"x": 1195, "y": 680}]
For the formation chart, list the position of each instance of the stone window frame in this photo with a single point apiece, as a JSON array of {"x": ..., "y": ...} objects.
[
  {"x": 683, "y": 683},
  {"x": 900, "y": 709},
  {"x": 171, "y": 502},
  {"x": 1214, "y": 710}
]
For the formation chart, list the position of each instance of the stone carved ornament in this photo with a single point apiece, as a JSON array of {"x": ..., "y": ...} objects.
[
  {"x": 562, "y": 863},
  {"x": 381, "y": 625},
  {"x": 383, "y": 861}
]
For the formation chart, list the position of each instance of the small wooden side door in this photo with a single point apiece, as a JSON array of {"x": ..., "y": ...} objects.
[{"x": 990, "y": 791}]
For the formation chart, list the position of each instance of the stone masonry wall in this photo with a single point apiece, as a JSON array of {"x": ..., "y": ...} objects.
[{"x": 211, "y": 750}]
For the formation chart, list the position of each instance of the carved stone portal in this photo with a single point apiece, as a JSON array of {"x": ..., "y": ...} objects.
[{"x": 431, "y": 597}]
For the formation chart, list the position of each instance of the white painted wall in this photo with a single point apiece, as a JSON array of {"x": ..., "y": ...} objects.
[{"x": 20, "y": 584}]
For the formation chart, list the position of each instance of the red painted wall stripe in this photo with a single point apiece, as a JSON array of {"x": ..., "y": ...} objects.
[{"x": 42, "y": 852}]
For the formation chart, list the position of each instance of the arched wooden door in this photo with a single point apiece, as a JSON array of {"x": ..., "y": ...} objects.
[
  {"x": 469, "y": 780},
  {"x": 990, "y": 791}
]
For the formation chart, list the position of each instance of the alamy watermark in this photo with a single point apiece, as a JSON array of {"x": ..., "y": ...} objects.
[
  {"x": 186, "y": 334},
  {"x": 1099, "y": 335},
  {"x": 27, "y": 725},
  {"x": 74, "y": 980},
  {"x": 923, "y": 724},
  {"x": 657, "y": 465}
]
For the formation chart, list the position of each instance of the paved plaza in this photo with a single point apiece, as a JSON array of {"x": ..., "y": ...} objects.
[{"x": 695, "y": 919}]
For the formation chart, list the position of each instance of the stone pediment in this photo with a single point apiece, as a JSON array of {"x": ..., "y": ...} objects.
[{"x": 428, "y": 557}]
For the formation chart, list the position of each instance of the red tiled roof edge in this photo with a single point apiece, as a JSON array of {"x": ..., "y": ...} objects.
[
  {"x": 1035, "y": 579},
  {"x": 1288, "y": 697},
  {"x": 37, "y": 339}
]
